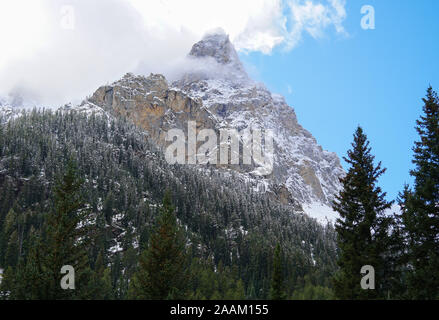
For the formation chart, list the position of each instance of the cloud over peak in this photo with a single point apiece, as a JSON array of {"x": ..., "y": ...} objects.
[
  {"x": 57, "y": 51},
  {"x": 256, "y": 25}
]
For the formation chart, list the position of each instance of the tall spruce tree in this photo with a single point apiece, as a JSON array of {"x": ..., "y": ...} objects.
[
  {"x": 37, "y": 275},
  {"x": 64, "y": 239},
  {"x": 420, "y": 207},
  {"x": 362, "y": 228},
  {"x": 163, "y": 270},
  {"x": 277, "y": 290}
]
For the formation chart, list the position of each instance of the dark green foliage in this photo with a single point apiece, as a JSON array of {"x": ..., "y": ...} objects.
[
  {"x": 210, "y": 283},
  {"x": 363, "y": 229},
  {"x": 420, "y": 208},
  {"x": 277, "y": 291},
  {"x": 38, "y": 273},
  {"x": 216, "y": 241},
  {"x": 312, "y": 291},
  {"x": 162, "y": 273},
  {"x": 64, "y": 239},
  {"x": 124, "y": 181}
]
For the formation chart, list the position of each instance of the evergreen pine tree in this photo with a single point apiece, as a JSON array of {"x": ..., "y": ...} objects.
[
  {"x": 100, "y": 286},
  {"x": 277, "y": 290},
  {"x": 163, "y": 272},
  {"x": 420, "y": 207},
  {"x": 64, "y": 242},
  {"x": 362, "y": 228}
]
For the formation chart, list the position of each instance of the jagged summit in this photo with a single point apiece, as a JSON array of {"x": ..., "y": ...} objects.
[
  {"x": 217, "y": 93},
  {"x": 217, "y": 45}
]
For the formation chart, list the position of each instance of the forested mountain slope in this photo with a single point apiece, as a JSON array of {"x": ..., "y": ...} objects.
[{"x": 125, "y": 177}]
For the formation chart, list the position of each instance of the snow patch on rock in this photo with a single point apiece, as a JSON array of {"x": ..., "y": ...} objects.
[{"x": 321, "y": 212}]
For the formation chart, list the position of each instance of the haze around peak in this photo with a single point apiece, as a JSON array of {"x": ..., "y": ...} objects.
[
  {"x": 216, "y": 45},
  {"x": 60, "y": 52}
]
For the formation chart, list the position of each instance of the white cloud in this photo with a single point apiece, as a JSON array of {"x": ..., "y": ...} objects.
[
  {"x": 22, "y": 26},
  {"x": 252, "y": 25},
  {"x": 108, "y": 39},
  {"x": 53, "y": 65},
  {"x": 314, "y": 17}
]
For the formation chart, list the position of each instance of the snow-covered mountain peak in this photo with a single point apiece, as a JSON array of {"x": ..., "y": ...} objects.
[
  {"x": 217, "y": 58},
  {"x": 217, "y": 95},
  {"x": 217, "y": 46}
]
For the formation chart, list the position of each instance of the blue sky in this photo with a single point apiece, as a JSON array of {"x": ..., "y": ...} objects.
[{"x": 373, "y": 78}]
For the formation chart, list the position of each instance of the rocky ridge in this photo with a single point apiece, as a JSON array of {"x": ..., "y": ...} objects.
[{"x": 221, "y": 95}]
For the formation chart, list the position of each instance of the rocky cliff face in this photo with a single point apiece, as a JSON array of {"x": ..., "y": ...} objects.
[{"x": 221, "y": 95}]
